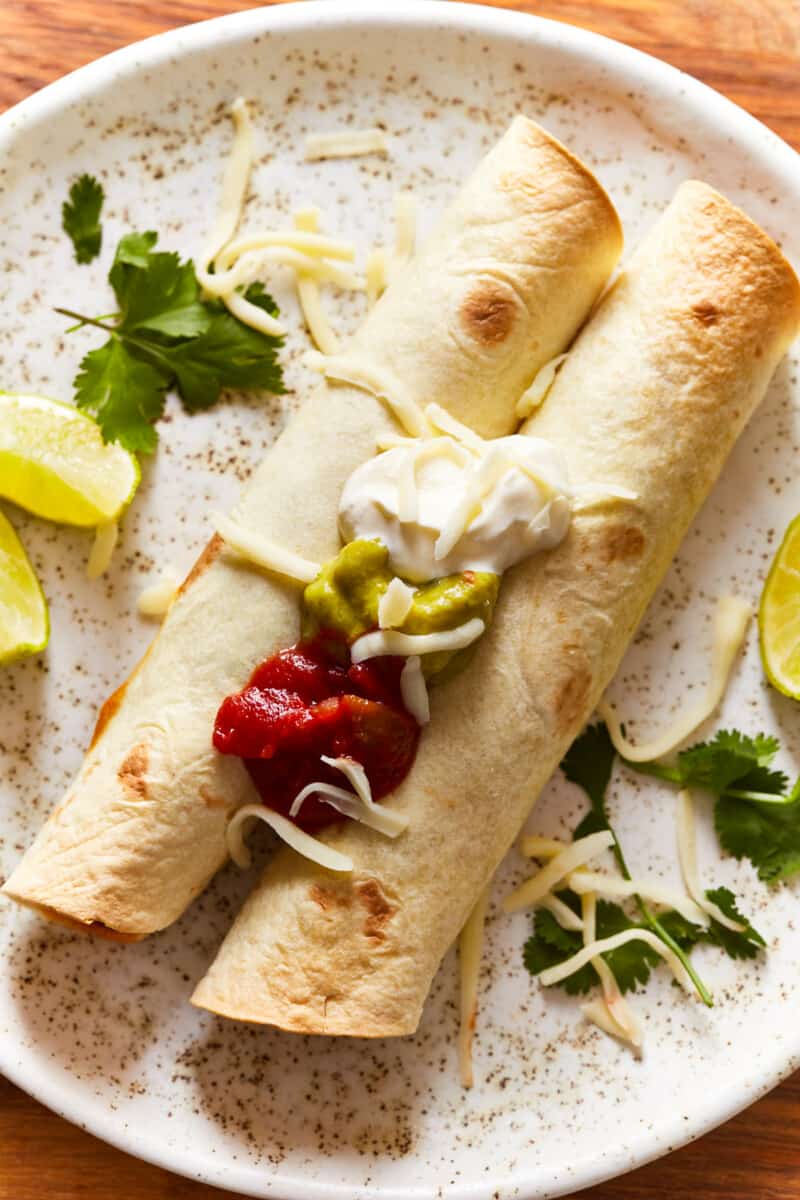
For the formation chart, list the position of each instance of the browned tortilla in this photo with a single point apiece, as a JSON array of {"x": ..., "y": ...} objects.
[
  {"x": 652, "y": 397},
  {"x": 501, "y": 287}
]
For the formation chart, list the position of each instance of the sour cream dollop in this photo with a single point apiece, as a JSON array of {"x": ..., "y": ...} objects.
[{"x": 440, "y": 508}]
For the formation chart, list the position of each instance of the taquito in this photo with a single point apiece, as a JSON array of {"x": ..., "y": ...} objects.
[
  {"x": 651, "y": 398},
  {"x": 502, "y": 286}
]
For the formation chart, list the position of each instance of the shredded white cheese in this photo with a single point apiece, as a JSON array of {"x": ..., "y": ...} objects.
[
  {"x": 100, "y": 555},
  {"x": 537, "y": 391},
  {"x": 562, "y": 912},
  {"x": 264, "y": 553},
  {"x": 376, "y": 275},
  {"x": 405, "y": 227},
  {"x": 439, "y": 418},
  {"x": 346, "y": 368},
  {"x": 303, "y": 843},
  {"x": 156, "y": 599},
  {"x": 307, "y": 220},
  {"x": 252, "y": 315},
  {"x": 533, "y": 846},
  {"x": 561, "y": 970},
  {"x": 389, "y": 641},
  {"x": 280, "y": 247},
  {"x": 619, "y": 1013},
  {"x": 234, "y": 188},
  {"x": 584, "y": 882},
  {"x": 314, "y": 314},
  {"x": 470, "y": 949},
  {"x": 489, "y": 472},
  {"x": 414, "y": 691},
  {"x": 564, "y": 863},
  {"x": 358, "y": 807},
  {"x": 395, "y": 604},
  {"x": 595, "y": 495},
  {"x": 730, "y": 625},
  {"x": 345, "y": 143},
  {"x": 387, "y": 820},
  {"x": 687, "y": 854}
]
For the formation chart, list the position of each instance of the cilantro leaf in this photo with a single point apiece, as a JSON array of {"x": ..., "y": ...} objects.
[
  {"x": 753, "y": 815},
  {"x": 744, "y": 944},
  {"x": 227, "y": 354},
  {"x": 123, "y": 394},
  {"x": 156, "y": 291},
  {"x": 80, "y": 217},
  {"x": 166, "y": 335},
  {"x": 766, "y": 833},
  {"x": 589, "y": 763}
]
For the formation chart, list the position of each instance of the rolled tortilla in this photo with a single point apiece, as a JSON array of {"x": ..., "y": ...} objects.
[
  {"x": 501, "y": 287},
  {"x": 651, "y": 398}
]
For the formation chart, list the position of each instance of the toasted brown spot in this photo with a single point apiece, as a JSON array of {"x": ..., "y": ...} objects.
[
  {"x": 706, "y": 312},
  {"x": 622, "y": 542},
  {"x": 131, "y": 773},
  {"x": 210, "y": 799},
  {"x": 209, "y": 555},
  {"x": 107, "y": 711},
  {"x": 488, "y": 313},
  {"x": 572, "y": 697},
  {"x": 378, "y": 908},
  {"x": 326, "y": 899}
]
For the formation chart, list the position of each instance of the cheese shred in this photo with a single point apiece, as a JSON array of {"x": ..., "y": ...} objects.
[
  {"x": 395, "y": 604},
  {"x": 564, "y": 863},
  {"x": 156, "y": 599},
  {"x": 414, "y": 690},
  {"x": 263, "y": 553},
  {"x": 536, "y": 393},
  {"x": 687, "y": 853},
  {"x": 730, "y": 625},
  {"x": 303, "y": 843},
  {"x": 389, "y": 641},
  {"x": 345, "y": 143},
  {"x": 561, "y": 970},
  {"x": 470, "y": 950},
  {"x": 347, "y": 368},
  {"x": 102, "y": 551}
]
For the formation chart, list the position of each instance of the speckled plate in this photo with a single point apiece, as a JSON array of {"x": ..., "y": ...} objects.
[{"x": 104, "y": 1034}]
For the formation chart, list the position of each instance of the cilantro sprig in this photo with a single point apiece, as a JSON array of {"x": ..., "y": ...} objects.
[
  {"x": 165, "y": 335},
  {"x": 589, "y": 764},
  {"x": 754, "y": 814},
  {"x": 80, "y": 217}
]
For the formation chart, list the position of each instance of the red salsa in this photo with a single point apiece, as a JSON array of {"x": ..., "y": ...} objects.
[{"x": 303, "y": 703}]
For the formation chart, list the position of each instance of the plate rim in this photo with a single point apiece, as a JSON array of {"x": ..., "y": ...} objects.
[{"x": 473, "y": 19}]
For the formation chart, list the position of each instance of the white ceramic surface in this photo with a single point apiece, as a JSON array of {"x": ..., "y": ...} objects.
[{"x": 104, "y": 1034}]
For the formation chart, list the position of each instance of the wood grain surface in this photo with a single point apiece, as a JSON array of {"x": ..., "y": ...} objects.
[{"x": 747, "y": 49}]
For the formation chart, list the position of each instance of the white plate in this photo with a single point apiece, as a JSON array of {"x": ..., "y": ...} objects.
[{"x": 104, "y": 1034}]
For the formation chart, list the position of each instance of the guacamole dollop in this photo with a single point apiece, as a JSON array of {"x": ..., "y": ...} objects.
[{"x": 344, "y": 600}]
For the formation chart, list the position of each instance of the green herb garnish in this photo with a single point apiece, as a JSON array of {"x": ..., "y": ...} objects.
[
  {"x": 589, "y": 763},
  {"x": 80, "y": 217},
  {"x": 754, "y": 815},
  {"x": 165, "y": 335}
]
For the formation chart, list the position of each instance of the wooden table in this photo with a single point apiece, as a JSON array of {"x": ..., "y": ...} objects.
[{"x": 748, "y": 49}]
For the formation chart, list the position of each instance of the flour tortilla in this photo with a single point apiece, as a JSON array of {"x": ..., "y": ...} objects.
[
  {"x": 652, "y": 397},
  {"x": 502, "y": 286}
]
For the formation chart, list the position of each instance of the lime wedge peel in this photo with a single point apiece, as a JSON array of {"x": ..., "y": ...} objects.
[
  {"x": 55, "y": 464},
  {"x": 779, "y": 616},
  {"x": 24, "y": 619}
]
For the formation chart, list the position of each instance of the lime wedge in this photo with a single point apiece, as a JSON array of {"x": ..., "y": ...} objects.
[
  {"x": 54, "y": 463},
  {"x": 779, "y": 616},
  {"x": 24, "y": 621}
]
